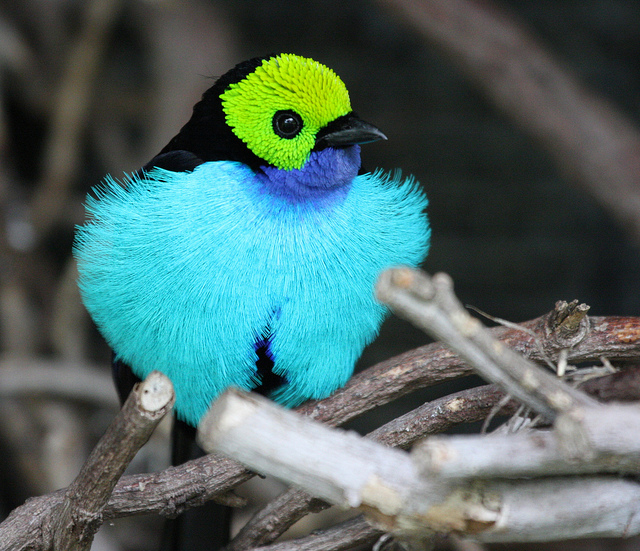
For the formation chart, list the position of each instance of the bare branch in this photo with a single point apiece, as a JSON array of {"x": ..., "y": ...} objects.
[
  {"x": 432, "y": 417},
  {"x": 622, "y": 386},
  {"x": 80, "y": 514},
  {"x": 430, "y": 304},
  {"x": 68, "y": 519},
  {"x": 351, "y": 471},
  {"x": 338, "y": 474},
  {"x": 607, "y": 442},
  {"x": 617, "y": 338},
  {"x": 360, "y": 532}
]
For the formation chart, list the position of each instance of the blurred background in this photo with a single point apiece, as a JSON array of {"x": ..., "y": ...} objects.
[{"x": 95, "y": 87}]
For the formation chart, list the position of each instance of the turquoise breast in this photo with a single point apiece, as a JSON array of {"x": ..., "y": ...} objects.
[{"x": 184, "y": 273}]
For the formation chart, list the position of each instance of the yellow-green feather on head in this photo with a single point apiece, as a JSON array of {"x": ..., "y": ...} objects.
[{"x": 285, "y": 82}]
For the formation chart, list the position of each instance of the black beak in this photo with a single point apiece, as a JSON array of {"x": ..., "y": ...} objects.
[{"x": 347, "y": 130}]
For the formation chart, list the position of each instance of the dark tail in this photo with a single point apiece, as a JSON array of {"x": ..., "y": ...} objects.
[{"x": 204, "y": 528}]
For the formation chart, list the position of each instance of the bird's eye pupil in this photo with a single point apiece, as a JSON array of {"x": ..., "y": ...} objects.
[{"x": 287, "y": 124}]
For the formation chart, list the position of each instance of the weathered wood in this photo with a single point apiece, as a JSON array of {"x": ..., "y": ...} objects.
[
  {"x": 429, "y": 303},
  {"x": 351, "y": 471},
  {"x": 597, "y": 441}
]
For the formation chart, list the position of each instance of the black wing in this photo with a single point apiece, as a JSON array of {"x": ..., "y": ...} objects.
[{"x": 175, "y": 161}]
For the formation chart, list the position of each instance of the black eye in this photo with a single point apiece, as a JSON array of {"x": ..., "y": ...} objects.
[{"x": 287, "y": 124}]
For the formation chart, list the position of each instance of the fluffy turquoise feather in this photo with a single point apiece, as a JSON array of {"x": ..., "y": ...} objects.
[{"x": 184, "y": 271}]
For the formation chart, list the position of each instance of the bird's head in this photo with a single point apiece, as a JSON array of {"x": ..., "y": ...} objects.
[
  {"x": 274, "y": 113},
  {"x": 288, "y": 107}
]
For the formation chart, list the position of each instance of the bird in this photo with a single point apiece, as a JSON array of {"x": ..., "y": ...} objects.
[{"x": 245, "y": 253}]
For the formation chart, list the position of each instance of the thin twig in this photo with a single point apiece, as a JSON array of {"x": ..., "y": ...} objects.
[{"x": 519, "y": 327}]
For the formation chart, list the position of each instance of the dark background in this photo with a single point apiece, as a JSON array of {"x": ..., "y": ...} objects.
[{"x": 510, "y": 228}]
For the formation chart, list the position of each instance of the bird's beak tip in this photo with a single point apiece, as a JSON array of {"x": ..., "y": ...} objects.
[{"x": 351, "y": 130}]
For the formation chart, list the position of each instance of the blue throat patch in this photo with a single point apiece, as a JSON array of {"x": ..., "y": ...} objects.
[
  {"x": 184, "y": 272},
  {"x": 325, "y": 177}
]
